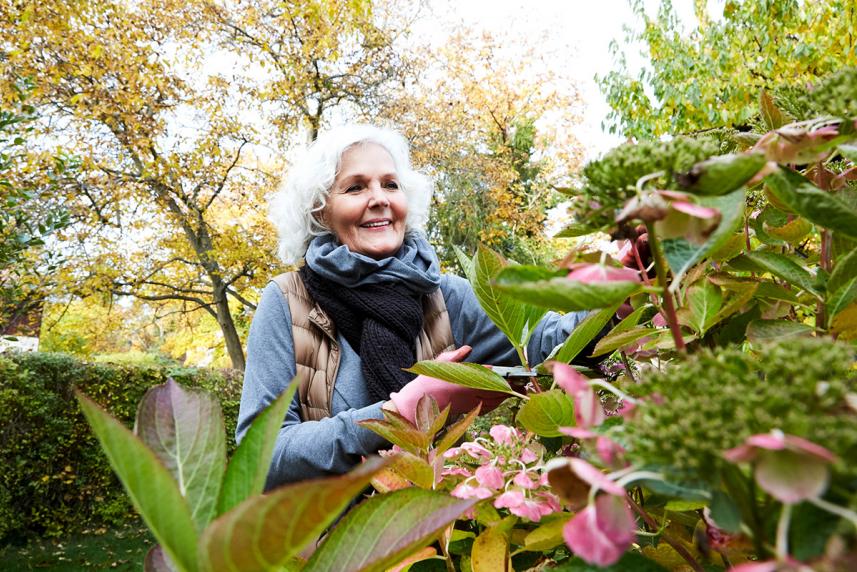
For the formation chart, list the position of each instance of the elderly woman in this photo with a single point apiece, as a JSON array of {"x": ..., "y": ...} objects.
[{"x": 368, "y": 301}]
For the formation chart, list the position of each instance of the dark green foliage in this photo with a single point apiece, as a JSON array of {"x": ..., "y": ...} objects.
[
  {"x": 712, "y": 403},
  {"x": 55, "y": 477},
  {"x": 610, "y": 181}
]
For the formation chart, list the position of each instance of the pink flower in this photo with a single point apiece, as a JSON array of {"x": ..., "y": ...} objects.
[
  {"x": 504, "y": 435},
  {"x": 601, "y": 532},
  {"x": 588, "y": 411},
  {"x": 455, "y": 471},
  {"x": 465, "y": 491},
  {"x": 789, "y": 468},
  {"x": 475, "y": 450},
  {"x": 594, "y": 273},
  {"x": 522, "y": 479},
  {"x": 528, "y": 456},
  {"x": 490, "y": 477},
  {"x": 452, "y": 453},
  {"x": 607, "y": 449},
  {"x": 520, "y": 505},
  {"x": 674, "y": 214},
  {"x": 595, "y": 477},
  {"x": 551, "y": 501}
]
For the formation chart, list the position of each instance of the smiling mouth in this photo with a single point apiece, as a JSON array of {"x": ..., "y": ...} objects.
[{"x": 376, "y": 224}]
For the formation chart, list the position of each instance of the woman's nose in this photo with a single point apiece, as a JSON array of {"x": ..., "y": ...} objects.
[{"x": 377, "y": 195}]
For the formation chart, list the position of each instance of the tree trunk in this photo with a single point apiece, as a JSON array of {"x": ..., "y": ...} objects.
[{"x": 227, "y": 326}]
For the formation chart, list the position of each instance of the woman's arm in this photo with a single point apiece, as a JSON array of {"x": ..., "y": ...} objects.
[
  {"x": 303, "y": 450},
  {"x": 472, "y": 326}
]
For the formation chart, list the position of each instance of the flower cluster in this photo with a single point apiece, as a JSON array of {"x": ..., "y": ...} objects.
[
  {"x": 506, "y": 467},
  {"x": 836, "y": 95},
  {"x": 612, "y": 180},
  {"x": 713, "y": 402}
]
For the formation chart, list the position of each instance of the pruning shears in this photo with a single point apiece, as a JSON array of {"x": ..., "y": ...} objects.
[{"x": 517, "y": 371}]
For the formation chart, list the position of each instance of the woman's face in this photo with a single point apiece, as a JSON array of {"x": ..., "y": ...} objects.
[{"x": 366, "y": 209}]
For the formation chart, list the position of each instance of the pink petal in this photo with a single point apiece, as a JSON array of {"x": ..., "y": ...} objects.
[
  {"x": 673, "y": 195},
  {"x": 528, "y": 456},
  {"x": 791, "y": 477},
  {"x": 522, "y": 479},
  {"x": 490, "y": 476},
  {"x": 456, "y": 471},
  {"x": 529, "y": 509},
  {"x": 594, "y": 273},
  {"x": 602, "y": 532},
  {"x": 452, "y": 453},
  {"x": 696, "y": 211},
  {"x": 503, "y": 434},
  {"x": 475, "y": 450},
  {"x": 578, "y": 432},
  {"x": 588, "y": 411},
  {"x": 551, "y": 501},
  {"x": 608, "y": 450},
  {"x": 659, "y": 321},
  {"x": 595, "y": 477},
  {"x": 799, "y": 444},
  {"x": 509, "y": 499},
  {"x": 465, "y": 491},
  {"x": 569, "y": 379}
]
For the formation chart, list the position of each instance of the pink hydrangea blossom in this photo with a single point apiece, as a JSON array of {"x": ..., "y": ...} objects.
[
  {"x": 519, "y": 505},
  {"x": 476, "y": 450},
  {"x": 455, "y": 471},
  {"x": 789, "y": 468},
  {"x": 595, "y": 477},
  {"x": 466, "y": 491},
  {"x": 522, "y": 479},
  {"x": 528, "y": 456},
  {"x": 490, "y": 476},
  {"x": 588, "y": 411},
  {"x": 602, "y": 532},
  {"x": 504, "y": 435}
]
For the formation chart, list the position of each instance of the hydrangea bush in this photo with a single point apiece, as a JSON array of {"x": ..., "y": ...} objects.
[{"x": 702, "y": 417}]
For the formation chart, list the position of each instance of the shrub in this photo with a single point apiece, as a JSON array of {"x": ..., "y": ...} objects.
[{"x": 55, "y": 477}]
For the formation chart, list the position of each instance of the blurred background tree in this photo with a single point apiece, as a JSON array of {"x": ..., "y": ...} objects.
[{"x": 713, "y": 75}]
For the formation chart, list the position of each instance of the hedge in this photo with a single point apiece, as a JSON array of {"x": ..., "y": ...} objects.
[{"x": 55, "y": 479}]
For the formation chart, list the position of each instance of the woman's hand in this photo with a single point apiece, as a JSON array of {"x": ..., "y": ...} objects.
[{"x": 460, "y": 399}]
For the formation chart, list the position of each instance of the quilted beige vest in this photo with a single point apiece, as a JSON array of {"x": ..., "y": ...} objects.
[{"x": 317, "y": 350}]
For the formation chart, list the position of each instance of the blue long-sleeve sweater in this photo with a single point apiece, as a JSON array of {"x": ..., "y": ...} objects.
[{"x": 334, "y": 445}]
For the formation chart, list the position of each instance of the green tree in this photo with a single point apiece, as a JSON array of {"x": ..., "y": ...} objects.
[
  {"x": 714, "y": 75},
  {"x": 29, "y": 214}
]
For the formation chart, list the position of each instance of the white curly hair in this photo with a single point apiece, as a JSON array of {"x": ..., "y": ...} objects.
[{"x": 307, "y": 181}]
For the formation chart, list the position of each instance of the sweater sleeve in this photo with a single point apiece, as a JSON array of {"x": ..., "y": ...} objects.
[
  {"x": 307, "y": 449},
  {"x": 472, "y": 326}
]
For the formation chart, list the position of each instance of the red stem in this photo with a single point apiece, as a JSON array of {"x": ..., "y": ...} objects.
[
  {"x": 652, "y": 523},
  {"x": 669, "y": 306}
]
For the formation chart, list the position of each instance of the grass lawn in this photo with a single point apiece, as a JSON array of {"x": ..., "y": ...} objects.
[{"x": 120, "y": 548}]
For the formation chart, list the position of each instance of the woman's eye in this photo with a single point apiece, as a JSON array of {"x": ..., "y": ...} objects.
[
  {"x": 392, "y": 185},
  {"x": 353, "y": 189}
]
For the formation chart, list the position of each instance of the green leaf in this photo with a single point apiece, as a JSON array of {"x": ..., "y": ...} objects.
[
  {"x": 414, "y": 469},
  {"x": 723, "y": 174},
  {"x": 822, "y": 208},
  {"x": 683, "y": 255},
  {"x": 561, "y": 293},
  {"x": 248, "y": 468},
  {"x": 791, "y": 232},
  {"x": 265, "y": 531},
  {"x": 427, "y": 416},
  {"x": 844, "y": 273},
  {"x": 153, "y": 491},
  {"x": 771, "y": 114},
  {"x": 781, "y": 266},
  {"x": 759, "y": 331},
  {"x": 612, "y": 342},
  {"x": 725, "y": 512},
  {"x": 842, "y": 298},
  {"x": 703, "y": 302},
  {"x": 573, "y": 230},
  {"x": 631, "y": 320},
  {"x": 184, "y": 429},
  {"x": 742, "y": 294},
  {"x": 544, "y": 413},
  {"x": 490, "y": 551},
  {"x": 466, "y": 374},
  {"x": 515, "y": 319},
  {"x": 386, "y": 528},
  {"x": 455, "y": 431},
  {"x": 467, "y": 264},
  {"x": 398, "y": 431},
  {"x": 630, "y": 562},
  {"x": 772, "y": 291},
  {"x": 548, "y": 535},
  {"x": 584, "y": 333}
]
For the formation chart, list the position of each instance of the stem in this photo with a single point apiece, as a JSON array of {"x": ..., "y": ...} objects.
[
  {"x": 651, "y": 523},
  {"x": 661, "y": 269},
  {"x": 783, "y": 532},
  {"x": 843, "y": 512},
  {"x": 627, "y": 366},
  {"x": 825, "y": 264},
  {"x": 613, "y": 389}
]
